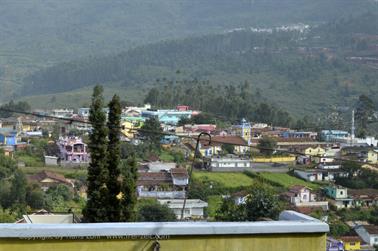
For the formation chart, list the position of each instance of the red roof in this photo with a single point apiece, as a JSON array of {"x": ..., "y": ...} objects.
[
  {"x": 228, "y": 139},
  {"x": 38, "y": 177},
  {"x": 179, "y": 173},
  {"x": 154, "y": 179}
]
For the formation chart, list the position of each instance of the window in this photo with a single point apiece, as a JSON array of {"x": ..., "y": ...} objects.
[
  {"x": 376, "y": 240},
  {"x": 341, "y": 192}
]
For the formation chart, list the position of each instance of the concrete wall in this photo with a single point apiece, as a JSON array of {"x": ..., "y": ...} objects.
[
  {"x": 278, "y": 242},
  {"x": 274, "y": 159},
  {"x": 293, "y": 232}
]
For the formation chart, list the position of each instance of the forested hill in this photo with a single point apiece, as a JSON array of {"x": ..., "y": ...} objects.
[
  {"x": 292, "y": 69},
  {"x": 63, "y": 30},
  {"x": 36, "y": 34}
]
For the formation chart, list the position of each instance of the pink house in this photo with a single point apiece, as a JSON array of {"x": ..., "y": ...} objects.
[{"x": 73, "y": 149}]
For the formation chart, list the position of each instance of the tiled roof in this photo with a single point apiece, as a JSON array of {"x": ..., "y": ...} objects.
[
  {"x": 47, "y": 174},
  {"x": 154, "y": 179},
  {"x": 229, "y": 139},
  {"x": 179, "y": 173},
  {"x": 350, "y": 239},
  {"x": 296, "y": 188},
  {"x": 371, "y": 229},
  {"x": 363, "y": 193}
]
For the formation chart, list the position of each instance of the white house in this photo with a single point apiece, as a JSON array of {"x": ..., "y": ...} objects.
[
  {"x": 193, "y": 207},
  {"x": 220, "y": 164},
  {"x": 369, "y": 233},
  {"x": 301, "y": 196}
]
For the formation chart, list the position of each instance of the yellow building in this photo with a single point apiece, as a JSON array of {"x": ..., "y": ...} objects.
[
  {"x": 129, "y": 126},
  {"x": 314, "y": 151},
  {"x": 372, "y": 156},
  {"x": 351, "y": 243},
  {"x": 273, "y": 159},
  {"x": 290, "y": 233}
]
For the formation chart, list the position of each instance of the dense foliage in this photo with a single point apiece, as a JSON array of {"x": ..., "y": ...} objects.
[
  {"x": 261, "y": 202},
  {"x": 151, "y": 210},
  {"x": 96, "y": 208},
  {"x": 113, "y": 161}
]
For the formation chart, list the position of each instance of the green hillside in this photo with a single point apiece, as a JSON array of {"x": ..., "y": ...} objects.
[
  {"x": 304, "y": 73},
  {"x": 36, "y": 34}
]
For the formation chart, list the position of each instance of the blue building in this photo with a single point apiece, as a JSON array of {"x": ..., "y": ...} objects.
[
  {"x": 334, "y": 135},
  {"x": 300, "y": 134},
  {"x": 170, "y": 117},
  {"x": 8, "y": 137}
]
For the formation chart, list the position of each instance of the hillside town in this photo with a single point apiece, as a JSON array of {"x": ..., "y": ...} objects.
[{"x": 316, "y": 173}]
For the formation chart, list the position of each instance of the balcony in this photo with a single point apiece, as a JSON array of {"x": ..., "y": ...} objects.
[{"x": 162, "y": 194}]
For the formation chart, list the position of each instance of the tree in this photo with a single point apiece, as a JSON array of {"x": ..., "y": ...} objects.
[
  {"x": 150, "y": 131},
  {"x": 267, "y": 145},
  {"x": 338, "y": 228},
  {"x": 261, "y": 203},
  {"x": 229, "y": 211},
  {"x": 364, "y": 111},
  {"x": 52, "y": 149},
  {"x": 11, "y": 106},
  {"x": 128, "y": 199},
  {"x": 113, "y": 184},
  {"x": 97, "y": 192},
  {"x": 228, "y": 148},
  {"x": 151, "y": 210}
]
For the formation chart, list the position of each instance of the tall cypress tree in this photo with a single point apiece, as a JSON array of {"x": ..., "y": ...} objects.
[
  {"x": 113, "y": 183},
  {"x": 97, "y": 192},
  {"x": 128, "y": 189}
]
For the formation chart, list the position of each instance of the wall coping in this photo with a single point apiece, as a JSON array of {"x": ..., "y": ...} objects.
[{"x": 290, "y": 222}]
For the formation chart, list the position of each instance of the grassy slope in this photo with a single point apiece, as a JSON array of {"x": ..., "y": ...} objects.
[
  {"x": 287, "y": 180},
  {"x": 82, "y": 97},
  {"x": 228, "y": 179}
]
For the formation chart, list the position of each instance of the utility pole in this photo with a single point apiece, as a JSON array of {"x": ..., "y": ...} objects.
[{"x": 352, "y": 129}]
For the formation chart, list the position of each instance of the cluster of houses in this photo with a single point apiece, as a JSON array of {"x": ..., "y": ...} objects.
[{"x": 313, "y": 156}]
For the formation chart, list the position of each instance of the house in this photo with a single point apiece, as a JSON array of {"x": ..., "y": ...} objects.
[
  {"x": 351, "y": 243},
  {"x": 158, "y": 166},
  {"x": 368, "y": 233},
  {"x": 45, "y": 217},
  {"x": 334, "y": 135},
  {"x": 8, "y": 137},
  {"x": 319, "y": 174},
  {"x": 193, "y": 207},
  {"x": 130, "y": 125},
  {"x": 163, "y": 184},
  {"x": 8, "y": 151},
  {"x": 240, "y": 144},
  {"x": 301, "y": 196},
  {"x": 299, "y": 134},
  {"x": 73, "y": 150},
  {"x": 372, "y": 156},
  {"x": 134, "y": 111},
  {"x": 339, "y": 196},
  {"x": 314, "y": 151},
  {"x": 62, "y": 113},
  {"x": 51, "y": 160},
  {"x": 171, "y": 117},
  {"x": 329, "y": 166},
  {"x": 47, "y": 179},
  {"x": 191, "y": 129},
  {"x": 303, "y": 160},
  {"x": 364, "y": 197},
  {"x": 229, "y": 164},
  {"x": 334, "y": 245}
]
